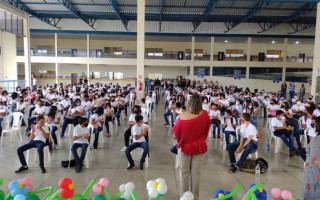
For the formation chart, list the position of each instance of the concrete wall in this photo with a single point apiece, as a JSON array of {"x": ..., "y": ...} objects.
[{"x": 8, "y": 64}]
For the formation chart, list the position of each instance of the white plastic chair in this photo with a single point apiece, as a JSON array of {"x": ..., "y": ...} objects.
[
  {"x": 268, "y": 124},
  {"x": 276, "y": 139},
  {"x": 16, "y": 126},
  {"x": 149, "y": 104},
  {"x": 46, "y": 150},
  {"x": 230, "y": 138},
  {"x": 145, "y": 111},
  {"x": 87, "y": 159}
]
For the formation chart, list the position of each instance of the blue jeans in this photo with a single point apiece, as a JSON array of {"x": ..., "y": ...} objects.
[
  {"x": 297, "y": 134},
  {"x": 118, "y": 118},
  {"x": 1, "y": 119},
  {"x": 135, "y": 145},
  {"x": 166, "y": 115},
  {"x": 53, "y": 134},
  {"x": 287, "y": 141},
  {"x": 68, "y": 121},
  {"x": 174, "y": 149},
  {"x": 301, "y": 96},
  {"x": 87, "y": 113},
  {"x": 32, "y": 144},
  {"x": 246, "y": 151},
  {"x": 31, "y": 110},
  {"x": 253, "y": 121},
  {"x": 228, "y": 133},
  {"x": 83, "y": 147},
  {"x": 96, "y": 136},
  {"x": 214, "y": 130},
  {"x": 291, "y": 94},
  {"x": 13, "y": 108},
  {"x": 284, "y": 93},
  {"x": 30, "y": 121}
]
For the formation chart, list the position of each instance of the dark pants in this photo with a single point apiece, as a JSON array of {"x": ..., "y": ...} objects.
[
  {"x": 68, "y": 121},
  {"x": 32, "y": 144},
  {"x": 134, "y": 145},
  {"x": 31, "y": 110},
  {"x": 287, "y": 141},
  {"x": 83, "y": 147},
  {"x": 166, "y": 115},
  {"x": 125, "y": 108},
  {"x": 174, "y": 149},
  {"x": 291, "y": 94},
  {"x": 1, "y": 119},
  {"x": 293, "y": 122},
  {"x": 284, "y": 93},
  {"x": 96, "y": 136},
  {"x": 214, "y": 130},
  {"x": 297, "y": 134},
  {"x": 106, "y": 122},
  {"x": 53, "y": 134},
  {"x": 31, "y": 121},
  {"x": 228, "y": 133},
  {"x": 118, "y": 118},
  {"x": 246, "y": 151}
]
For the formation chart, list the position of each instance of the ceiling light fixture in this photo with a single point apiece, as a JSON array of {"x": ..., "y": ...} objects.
[
  {"x": 297, "y": 42},
  {"x": 226, "y": 41},
  {"x": 273, "y": 42}
]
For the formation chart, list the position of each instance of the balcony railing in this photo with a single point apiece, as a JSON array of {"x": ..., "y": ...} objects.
[
  {"x": 99, "y": 53},
  {"x": 72, "y": 52},
  {"x": 299, "y": 59}
]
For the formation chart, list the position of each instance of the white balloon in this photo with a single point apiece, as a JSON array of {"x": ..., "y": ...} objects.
[
  {"x": 126, "y": 195},
  {"x": 183, "y": 198},
  {"x": 189, "y": 195},
  {"x": 122, "y": 187},
  {"x": 162, "y": 188},
  {"x": 149, "y": 184},
  {"x": 161, "y": 180},
  {"x": 129, "y": 187},
  {"x": 153, "y": 193}
]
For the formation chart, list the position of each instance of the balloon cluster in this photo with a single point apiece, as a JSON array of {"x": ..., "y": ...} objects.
[
  {"x": 98, "y": 188},
  {"x": 20, "y": 189},
  {"x": 260, "y": 193},
  {"x": 187, "y": 196},
  {"x": 127, "y": 189},
  {"x": 66, "y": 186},
  {"x": 157, "y": 188},
  {"x": 277, "y": 194},
  {"x": 220, "y": 193}
]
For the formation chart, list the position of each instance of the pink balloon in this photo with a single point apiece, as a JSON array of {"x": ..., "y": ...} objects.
[
  {"x": 276, "y": 193},
  {"x": 97, "y": 188},
  {"x": 29, "y": 187},
  {"x": 104, "y": 182},
  {"x": 286, "y": 195},
  {"x": 25, "y": 181},
  {"x": 102, "y": 192}
]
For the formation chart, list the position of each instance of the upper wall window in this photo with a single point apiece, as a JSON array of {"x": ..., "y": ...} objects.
[
  {"x": 228, "y": 71},
  {"x": 303, "y": 75},
  {"x": 265, "y": 73},
  {"x": 206, "y": 70}
]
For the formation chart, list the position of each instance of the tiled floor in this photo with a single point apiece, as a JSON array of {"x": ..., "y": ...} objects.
[{"x": 110, "y": 162}]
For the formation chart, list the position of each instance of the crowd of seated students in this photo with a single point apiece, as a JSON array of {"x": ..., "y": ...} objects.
[{"x": 226, "y": 105}]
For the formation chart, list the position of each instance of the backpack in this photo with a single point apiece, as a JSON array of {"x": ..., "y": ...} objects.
[
  {"x": 250, "y": 164},
  {"x": 65, "y": 164}
]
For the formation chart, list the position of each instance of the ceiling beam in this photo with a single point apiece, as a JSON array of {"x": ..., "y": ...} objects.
[
  {"x": 71, "y": 8},
  {"x": 161, "y": 12},
  {"x": 305, "y": 9},
  {"x": 52, "y": 21},
  {"x": 259, "y": 6},
  {"x": 297, "y": 27},
  {"x": 123, "y": 20},
  {"x": 208, "y": 10}
]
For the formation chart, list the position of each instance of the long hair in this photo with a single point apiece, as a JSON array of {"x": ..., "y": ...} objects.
[
  {"x": 52, "y": 112},
  {"x": 194, "y": 104},
  {"x": 318, "y": 125},
  {"x": 99, "y": 111}
]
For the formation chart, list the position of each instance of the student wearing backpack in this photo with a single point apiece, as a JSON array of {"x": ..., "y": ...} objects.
[{"x": 228, "y": 125}]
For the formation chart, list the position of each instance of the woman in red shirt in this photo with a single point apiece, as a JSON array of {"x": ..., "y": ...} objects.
[{"x": 191, "y": 131}]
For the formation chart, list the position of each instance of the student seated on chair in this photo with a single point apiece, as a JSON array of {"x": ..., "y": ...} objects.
[
  {"x": 247, "y": 144},
  {"x": 281, "y": 130},
  {"x": 97, "y": 122},
  {"x": 80, "y": 140},
  {"x": 38, "y": 111},
  {"x": 38, "y": 137},
  {"x": 151, "y": 100},
  {"x": 139, "y": 133},
  {"x": 53, "y": 118},
  {"x": 312, "y": 130},
  {"x": 73, "y": 116},
  {"x": 3, "y": 113},
  {"x": 229, "y": 125}
]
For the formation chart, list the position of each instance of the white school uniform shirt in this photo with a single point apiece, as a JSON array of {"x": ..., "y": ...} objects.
[
  {"x": 107, "y": 112},
  {"x": 150, "y": 99},
  {"x": 136, "y": 130},
  {"x": 78, "y": 130},
  {"x": 276, "y": 123},
  {"x": 229, "y": 126},
  {"x": 294, "y": 100},
  {"x": 299, "y": 108},
  {"x": 273, "y": 107},
  {"x": 248, "y": 131},
  {"x": 312, "y": 132},
  {"x": 3, "y": 109},
  {"x": 86, "y": 105},
  {"x": 316, "y": 112},
  {"x": 143, "y": 105},
  {"x": 224, "y": 102},
  {"x": 266, "y": 102},
  {"x": 51, "y": 96},
  {"x": 38, "y": 135},
  {"x": 205, "y": 106},
  {"x": 66, "y": 103},
  {"x": 261, "y": 98},
  {"x": 307, "y": 122},
  {"x": 39, "y": 110},
  {"x": 132, "y": 118},
  {"x": 57, "y": 116},
  {"x": 214, "y": 113},
  {"x": 98, "y": 118},
  {"x": 21, "y": 106}
]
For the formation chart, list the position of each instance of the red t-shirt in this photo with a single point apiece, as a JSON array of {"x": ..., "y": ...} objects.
[{"x": 191, "y": 134}]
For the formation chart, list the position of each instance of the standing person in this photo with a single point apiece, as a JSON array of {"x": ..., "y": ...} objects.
[
  {"x": 191, "y": 131},
  {"x": 291, "y": 90},
  {"x": 302, "y": 92},
  {"x": 284, "y": 89},
  {"x": 312, "y": 166},
  {"x": 34, "y": 82}
]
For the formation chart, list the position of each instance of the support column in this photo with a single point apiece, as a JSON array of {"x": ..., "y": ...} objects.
[
  {"x": 211, "y": 49},
  {"x": 56, "y": 55},
  {"x": 316, "y": 54},
  {"x": 249, "y": 49},
  {"x": 284, "y": 70},
  {"x": 88, "y": 56},
  {"x": 285, "y": 45},
  {"x": 140, "y": 47},
  {"x": 88, "y": 73},
  {"x": 27, "y": 54},
  {"x": 192, "y": 57}
]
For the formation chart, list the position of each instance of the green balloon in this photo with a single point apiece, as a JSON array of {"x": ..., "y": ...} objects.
[
  {"x": 33, "y": 197},
  {"x": 121, "y": 199},
  {"x": 1, "y": 193},
  {"x": 59, "y": 198},
  {"x": 77, "y": 197},
  {"x": 99, "y": 197},
  {"x": 1, "y": 197}
]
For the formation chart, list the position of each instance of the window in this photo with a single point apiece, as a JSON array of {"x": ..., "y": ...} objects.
[
  {"x": 265, "y": 73},
  {"x": 205, "y": 69},
  {"x": 117, "y": 53},
  {"x": 228, "y": 71},
  {"x": 188, "y": 71},
  {"x": 95, "y": 75},
  {"x": 155, "y": 76},
  {"x": 303, "y": 75},
  {"x": 155, "y": 54},
  {"x": 118, "y": 75}
]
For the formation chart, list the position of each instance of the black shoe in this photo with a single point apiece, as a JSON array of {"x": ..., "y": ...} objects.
[
  {"x": 21, "y": 169},
  {"x": 233, "y": 170},
  {"x": 232, "y": 165},
  {"x": 130, "y": 167},
  {"x": 219, "y": 136},
  {"x": 43, "y": 170},
  {"x": 118, "y": 124},
  {"x": 293, "y": 153},
  {"x": 166, "y": 124},
  {"x": 214, "y": 136},
  {"x": 141, "y": 166},
  {"x": 79, "y": 168}
]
